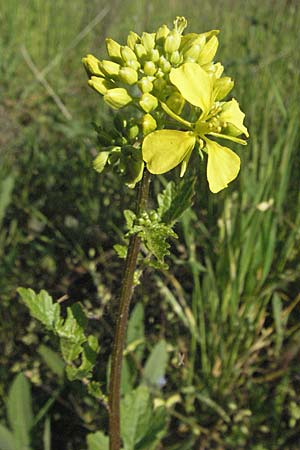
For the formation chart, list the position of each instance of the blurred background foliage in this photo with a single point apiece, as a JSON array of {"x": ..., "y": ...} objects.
[{"x": 228, "y": 308}]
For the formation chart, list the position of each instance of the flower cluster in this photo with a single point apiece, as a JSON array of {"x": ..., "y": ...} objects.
[{"x": 176, "y": 89}]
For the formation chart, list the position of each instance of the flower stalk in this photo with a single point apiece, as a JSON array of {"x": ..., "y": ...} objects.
[{"x": 121, "y": 325}]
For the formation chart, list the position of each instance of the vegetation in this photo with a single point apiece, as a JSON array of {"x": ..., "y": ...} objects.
[{"x": 215, "y": 338}]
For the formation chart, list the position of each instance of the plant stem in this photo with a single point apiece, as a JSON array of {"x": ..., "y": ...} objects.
[{"x": 121, "y": 325}]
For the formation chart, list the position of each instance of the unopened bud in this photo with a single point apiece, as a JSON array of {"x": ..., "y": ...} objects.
[
  {"x": 172, "y": 42},
  {"x": 148, "y": 124},
  {"x": 149, "y": 68},
  {"x": 110, "y": 68},
  {"x": 133, "y": 165},
  {"x": 145, "y": 85},
  {"x": 162, "y": 33},
  {"x": 100, "y": 85},
  {"x": 148, "y": 102},
  {"x": 133, "y": 131},
  {"x": 140, "y": 51},
  {"x": 92, "y": 67},
  {"x": 148, "y": 41},
  {"x": 128, "y": 75},
  {"x": 117, "y": 98},
  {"x": 159, "y": 85},
  {"x": 127, "y": 54},
  {"x": 208, "y": 52},
  {"x": 134, "y": 64},
  {"x": 113, "y": 49},
  {"x": 132, "y": 39},
  {"x": 175, "y": 58},
  {"x": 154, "y": 55},
  {"x": 100, "y": 161},
  {"x": 164, "y": 64},
  {"x": 176, "y": 102},
  {"x": 222, "y": 87}
]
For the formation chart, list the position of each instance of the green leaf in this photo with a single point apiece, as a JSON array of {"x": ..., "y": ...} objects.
[
  {"x": 94, "y": 389},
  {"x": 155, "y": 368},
  {"x": 97, "y": 441},
  {"x": 130, "y": 218},
  {"x": 41, "y": 307},
  {"x": 136, "y": 330},
  {"x": 88, "y": 357},
  {"x": 7, "y": 440},
  {"x": 19, "y": 411},
  {"x": 47, "y": 434},
  {"x": 6, "y": 187},
  {"x": 142, "y": 427},
  {"x": 53, "y": 360},
  {"x": 175, "y": 199},
  {"x": 121, "y": 250}
]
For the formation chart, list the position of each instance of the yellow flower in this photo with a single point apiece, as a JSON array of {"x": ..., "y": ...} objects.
[{"x": 165, "y": 149}]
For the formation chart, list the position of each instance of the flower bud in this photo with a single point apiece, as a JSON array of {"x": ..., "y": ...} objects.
[
  {"x": 148, "y": 102},
  {"x": 91, "y": 65},
  {"x": 145, "y": 85},
  {"x": 117, "y": 98},
  {"x": 148, "y": 124},
  {"x": 148, "y": 41},
  {"x": 128, "y": 75},
  {"x": 140, "y": 51},
  {"x": 164, "y": 64},
  {"x": 133, "y": 165},
  {"x": 113, "y": 49},
  {"x": 127, "y": 54},
  {"x": 100, "y": 85},
  {"x": 191, "y": 50},
  {"x": 110, "y": 68},
  {"x": 162, "y": 33},
  {"x": 175, "y": 58},
  {"x": 100, "y": 161},
  {"x": 222, "y": 87},
  {"x": 208, "y": 52},
  {"x": 149, "y": 68},
  {"x": 159, "y": 85},
  {"x": 134, "y": 64},
  {"x": 154, "y": 55},
  {"x": 172, "y": 42},
  {"x": 132, "y": 39},
  {"x": 176, "y": 102},
  {"x": 133, "y": 131}
]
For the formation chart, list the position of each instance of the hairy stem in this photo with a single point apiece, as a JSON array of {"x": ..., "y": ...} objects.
[{"x": 121, "y": 325}]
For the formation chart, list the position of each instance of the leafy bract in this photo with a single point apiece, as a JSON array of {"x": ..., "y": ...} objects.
[
  {"x": 222, "y": 167},
  {"x": 194, "y": 84},
  {"x": 165, "y": 149},
  {"x": 41, "y": 306}
]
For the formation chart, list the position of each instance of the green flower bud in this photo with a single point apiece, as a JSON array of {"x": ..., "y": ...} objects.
[
  {"x": 176, "y": 102},
  {"x": 117, "y": 98},
  {"x": 159, "y": 85},
  {"x": 134, "y": 64},
  {"x": 140, "y": 51},
  {"x": 172, "y": 42},
  {"x": 133, "y": 165},
  {"x": 132, "y": 39},
  {"x": 148, "y": 102},
  {"x": 154, "y": 55},
  {"x": 149, "y": 68},
  {"x": 100, "y": 85},
  {"x": 164, "y": 64},
  {"x": 208, "y": 52},
  {"x": 133, "y": 132},
  {"x": 100, "y": 161},
  {"x": 162, "y": 33},
  {"x": 148, "y": 124},
  {"x": 127, "y": 54},
  {"x": 113, "y": 49},
  {"x": 148, "y": 41},
  {"x": 145, "y": 85},
  {"x": 128, "y": 75},
  {"x": 91, "y": 65},
  {"x": 222, "y": 87},
  {"x": 175, "y": 58},
  {"x": 110, "y": 68}
]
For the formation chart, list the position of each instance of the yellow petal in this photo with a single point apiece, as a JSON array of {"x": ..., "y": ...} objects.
[
  {"x": 234, "y": 117},
  {"x": 194, "y": 84},
  {"x": 223, "y": 166},
  {"x": 165, "y": 149}
]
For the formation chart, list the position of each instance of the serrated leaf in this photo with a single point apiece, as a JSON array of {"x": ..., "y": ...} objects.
[
  {"x": 7, "y": 440},
  {"x": 41, "y": 307},
  {"x": 94, "y": 389},
  {"x": 53, "y": 360},
  {"x": 155, "y": 238},
  {"x": 88, "y": 360},
  {"x": 175, "y": 199},
  {"x": 97, "y": 441},
  {"x": 121, "y": 250},
  {"x": 19, "y": 411},
  {"x": 136, "y": 414},
  {"x": 155, "y": 368},
  {"x": 130, "y": 218},
  {"x": 156, "y": 430}
]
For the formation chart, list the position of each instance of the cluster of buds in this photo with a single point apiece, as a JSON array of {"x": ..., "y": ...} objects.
[{"x": 154, "y": 75}]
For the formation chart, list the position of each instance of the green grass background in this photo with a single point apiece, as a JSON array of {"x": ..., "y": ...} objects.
[{"x": 230, "y": 303}]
